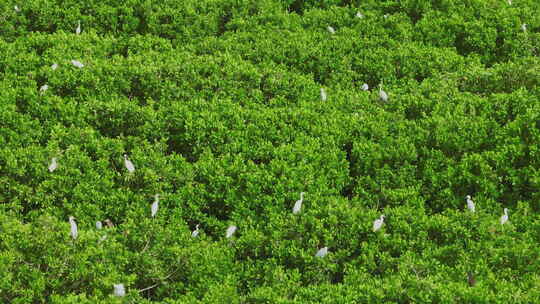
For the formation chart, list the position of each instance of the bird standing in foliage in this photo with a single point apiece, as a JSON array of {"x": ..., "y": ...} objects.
[
  {"x": 119, "y": 290},
  {"x": 298, "y": 204},
  {"x": 359, "y": 15},
  {"x": 323, "y": 94},
  {"x": 377, "y": 224},
  {"x": 17, "y": 8},
  {"x": 524, "y": 27},
  {"x": 230, "y": 231},
  {"x": 129, "y": 165},
  {"x": 331, "y": 30},
  {"x": 53, "y": 165},
  {"x": 504, "y": 217},
  {"x": 43, "y": 88},
  {"x": 73, "y": 231},
  {"x": 99, "y": 225},
  {"x": 382, "y": 94},
  {"x": 470, "y": 204},
  {"x": 77, "y": 63},
  {"x": 54, "y": 66},
  {"x": 155, "y": 205},
  {"x": 365, "y": 87},
  {"x": 78, "y": 29},
  {"x": 321, "y": 253},
  {"x": 195, "y": 232}
]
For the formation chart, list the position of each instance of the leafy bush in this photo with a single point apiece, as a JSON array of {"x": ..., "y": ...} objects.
[{"x": 217, "y": 103}]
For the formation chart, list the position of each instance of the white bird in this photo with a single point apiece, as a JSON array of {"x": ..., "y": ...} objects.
[
  {"x": 365, "y": 87},
  {"x": 78, "y": 29},
  {"x": 359, "y": 15},
  {"x": 53, "y": 165},
  {"x": 382, "y": 94},
  {"x": 470, "y": 203},
  {"x": 155, "y": 205},
  {"x": 73, "y": 225},
  {"x": 323, "y": 94},
  {"x": 298, "y": 204},
  {"x": 509, "y": 2},
  {"x": 385, "y": 16},
  {"x": 43, "y": 88},
  {"x": 17, "y": 8},
  {"x": 129, "y": 165},
  {"x": 99, "y": 225},
  {"x": 230, "y": 231},
  {"x": 377, "y": 224},
  {"x": 322, "y": 252},
  {"x": 524, "y": 27},
  {"x": 119, "y": 290},
  {"x": 195, "y": 232},
  {"x": 331, "y": 30},
  {"x": 54, "y": 66},
  {"x": 77, "y": 63},
  {"x": 504, "y": 218}
]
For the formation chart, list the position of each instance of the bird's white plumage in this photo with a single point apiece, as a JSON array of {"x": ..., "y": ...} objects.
[
  {"x": 504, "y": 217},
  {"x": 43, "y": 88},
  {"x": 524, "y": 27},
  {"x": 377, "y": 224},
  {"x": 195, "y": 232},
  {"x": 331, "y": 30},
  {"x": 470, "y": 204},
  {"x": 155, "y": 205},
  {"x": 323, "y": 94},
  {"x": 230, "y": 231},
  {"x": 99, "y": 225},
  {"x": 53, "y": 165},
  {"x": 77, "y": 63},
  {"x": 298, "y": 205},
  {"x": 78, "y": 29},
  {"x": 359, "y": 15},
  {"x": 129, "y": 165},
  {"x": 322, "y": 252},
  {"x": 54, "y": 66},
  {"x": 119, "y": 290},
  {"x": 365, "y": 87},
  {"x": 73, "y": 227},
  {"x": 17, "y": 8},
  {"x": 382, "y": 94}
]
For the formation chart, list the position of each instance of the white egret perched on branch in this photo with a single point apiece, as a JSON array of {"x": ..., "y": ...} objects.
[
  {"x": 470, "y": 204},
  {"x": 119, "y": 290},
  {"x": 77, "y": 63},
  {"x": 365, "y": 87},
  {"x": 331, "y": 30},
  {"x": 377, "y": 224},
  {"x": 323, "y": 94},
  {"x": 230, "y": 231},
  {"x": 195, "y": 232},
  {"x": 504, "y": 218},
  {"x": 53, "y": 165},
  {"x": 298, "y": 204},
  {"x": 43, "y": 88},
  {"x": 322, "y": 252},
  {"x": 382, "y": 94},
  {"x": 78, "y": 29},
  {"x": 73, "y": 231},
  {"x": 129, "y": 165},
  {"x": 54, "y": 66},
  {"x": 155, "y": 205}
]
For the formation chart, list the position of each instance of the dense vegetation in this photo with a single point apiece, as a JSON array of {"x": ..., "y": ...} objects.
[{"x": 217, "y": 103}]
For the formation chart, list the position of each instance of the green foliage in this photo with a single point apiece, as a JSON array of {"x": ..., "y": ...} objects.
[{"x": 217, "y": 103}]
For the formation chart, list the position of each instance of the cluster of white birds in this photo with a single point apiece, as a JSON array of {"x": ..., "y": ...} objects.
[{"x": 472, "y": 208}]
